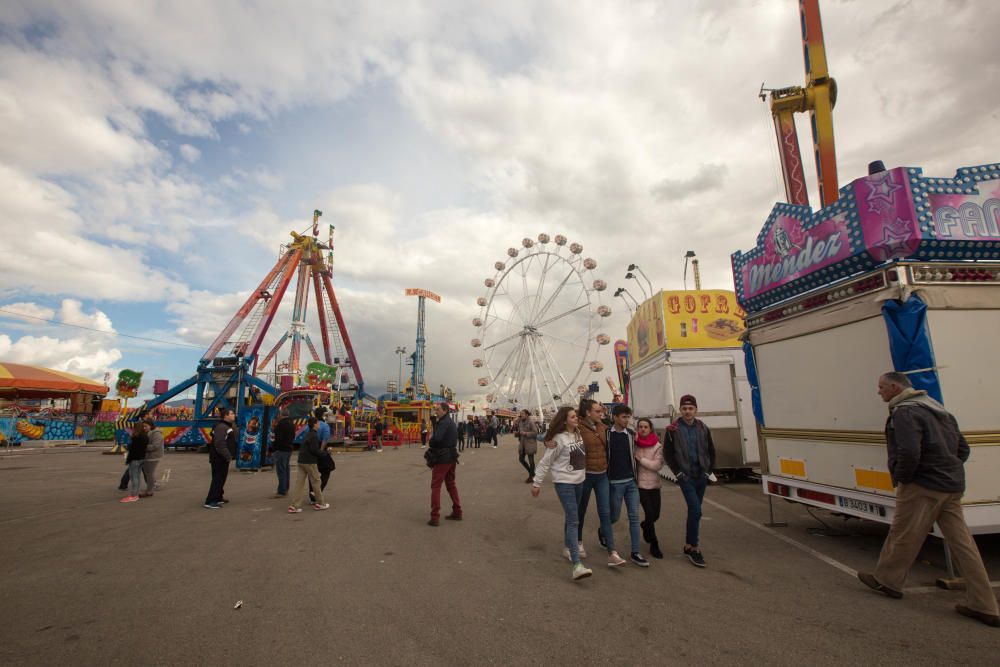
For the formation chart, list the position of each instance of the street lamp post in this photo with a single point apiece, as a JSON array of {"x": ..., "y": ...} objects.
[
  {"x": 641, "y": 288},
  {"x": 635, "y": 267},
  {"x": 620, "y": 292},
  {"x": 400, "y": 350}
]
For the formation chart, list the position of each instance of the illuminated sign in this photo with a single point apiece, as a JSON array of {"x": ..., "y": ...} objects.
[
  {"x": 416, "y": 291},
  {"x": 695, "y": 319},
  {"x": 894, "y": 214}
]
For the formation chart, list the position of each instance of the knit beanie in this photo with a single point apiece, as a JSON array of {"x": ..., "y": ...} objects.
[{"x": 688, "y": 399}]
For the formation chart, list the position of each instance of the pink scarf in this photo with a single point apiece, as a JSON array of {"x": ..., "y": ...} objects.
[{"x": 646, "y": 440}]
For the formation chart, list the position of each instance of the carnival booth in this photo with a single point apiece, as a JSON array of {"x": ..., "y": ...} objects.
[{"x": 45, "y": 404}]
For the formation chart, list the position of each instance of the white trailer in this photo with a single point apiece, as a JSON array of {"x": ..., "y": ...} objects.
[
  {"x": 822, "y": 332},
  {"x": 718, "y": 379}
]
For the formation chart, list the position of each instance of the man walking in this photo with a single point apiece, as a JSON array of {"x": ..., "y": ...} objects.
[
  {"x": 284, "y": 436},
  {"x": 622, "y": 483},
  {"x": 689, "y": 452},
  {"x": 493, "y": 431},
  {"x": 308, "y": 475},
  {"x": 443, "y": 457},
  {"x": 595, "y": 441},
  {"x": 927, "y": 455},
  {"x": 220, "y": 453}
]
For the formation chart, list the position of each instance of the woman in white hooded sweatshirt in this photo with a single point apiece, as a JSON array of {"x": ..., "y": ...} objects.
[{"x": 567, "y": 461}]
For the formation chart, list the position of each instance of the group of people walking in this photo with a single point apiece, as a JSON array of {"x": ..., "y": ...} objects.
[
  {"x": 620, "y": 466},
  {"x": 585, "y": 455}
]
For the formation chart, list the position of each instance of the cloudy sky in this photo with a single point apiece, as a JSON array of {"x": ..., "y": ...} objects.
[{"x": 153, "y": 156}]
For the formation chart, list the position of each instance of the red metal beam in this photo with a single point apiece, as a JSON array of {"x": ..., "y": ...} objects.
[
  {"x": 272, "y": 305},
  {"x": 343, "y": 328},
  {"x": 244, "y": 310},
  {"x": 322, "y": 317}
]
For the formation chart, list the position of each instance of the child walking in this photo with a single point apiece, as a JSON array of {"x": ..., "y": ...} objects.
[
  {"x": 567, "y": 461},
  {"x": 649, "y": 456}
]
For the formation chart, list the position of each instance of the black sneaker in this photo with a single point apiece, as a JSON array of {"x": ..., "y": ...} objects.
[
  {"x": 694, "y": 555},
  {"x": 639, "y": 560},
  {"x": 600, "y": 538},
  {"x": 654, "y": 549}
]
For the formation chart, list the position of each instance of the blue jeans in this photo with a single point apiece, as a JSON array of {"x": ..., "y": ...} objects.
[
  {"x": 694, "y": 493},
  {"x": 281, "y": 468},
  {"x": 569, "y": 496},
  {"x": 134, "y": 477},
  {"x": 599, "y": 483},
  {"x": 630, "y": 492}
]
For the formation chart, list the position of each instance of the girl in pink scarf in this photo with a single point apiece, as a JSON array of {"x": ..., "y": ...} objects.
[{"x": 649, "y": 456}]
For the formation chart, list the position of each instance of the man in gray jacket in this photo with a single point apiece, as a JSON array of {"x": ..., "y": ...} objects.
[
  {"x": 154, "y": 452},
  {"x": 927, "y": 455}
]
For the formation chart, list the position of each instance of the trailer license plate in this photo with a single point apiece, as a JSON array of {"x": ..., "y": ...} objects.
[{"x": 861, "y": 506}]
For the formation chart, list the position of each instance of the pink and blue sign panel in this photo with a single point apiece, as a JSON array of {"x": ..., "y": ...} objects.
[{"x": 895, "y": 214}]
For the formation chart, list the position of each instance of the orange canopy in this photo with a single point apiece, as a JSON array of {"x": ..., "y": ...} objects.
[{"x": 36, "y": 382}]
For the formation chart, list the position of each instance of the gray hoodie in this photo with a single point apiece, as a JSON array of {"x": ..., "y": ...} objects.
[{"x": 925, "y": 446}]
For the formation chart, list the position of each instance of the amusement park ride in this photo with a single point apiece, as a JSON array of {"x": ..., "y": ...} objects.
[
  {"x": 818, "y": 97},
  {"x": 229, "y": 375}
]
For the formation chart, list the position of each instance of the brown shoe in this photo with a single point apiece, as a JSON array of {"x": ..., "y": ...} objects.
[
  {"x": 454, "y": 517},
  {"x": 869, "y": 580},
  {"x": 991, "y": 620},
  {"x": 433, "y": 522},
  {"x": 145, "y": 495}
]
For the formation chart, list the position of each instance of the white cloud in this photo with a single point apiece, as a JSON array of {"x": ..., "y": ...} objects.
[
  {"x": 630, "y": 127},
  {"x": 31, "y": 311},
  {"x": 189, "y": 153},
  {"x": 85, "y": 353}
]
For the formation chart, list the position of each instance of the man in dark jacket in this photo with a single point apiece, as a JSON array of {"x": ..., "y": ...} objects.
[
  {"x": 443, "y": 457},
  {"x": 284, "y": 436},
  {"x": 690, "y": 454},
  {"x": 220, "y": 453},
  {"x": 927, "y": 455},
  {"x": 309, "y": 452}
]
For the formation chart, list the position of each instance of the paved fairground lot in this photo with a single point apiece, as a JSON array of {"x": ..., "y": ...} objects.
[{"x": 90, "y": 581}]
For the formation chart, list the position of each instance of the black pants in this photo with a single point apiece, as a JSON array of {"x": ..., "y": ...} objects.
[
  {"x": 220, "y": 471},
  {"x": 491, "y": 436},
  {"x": 650, "y": 501},
  {"x": 123, "y": 484},
  {"x": 461, "y": 443},
  {"x": 325, "y": 468},
  {"x": 528, "y": 461}
]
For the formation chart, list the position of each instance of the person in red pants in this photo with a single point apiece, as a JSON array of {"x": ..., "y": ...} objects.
[{"x": 442, "y": 457}]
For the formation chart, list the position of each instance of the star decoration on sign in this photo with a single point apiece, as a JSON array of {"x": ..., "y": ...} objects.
[
  {"x": 896, "y": 239},
  {"x": 882, "y": 191}
]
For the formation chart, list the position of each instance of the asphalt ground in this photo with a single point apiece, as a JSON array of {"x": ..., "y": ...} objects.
[{"x": 88, "y": 580}]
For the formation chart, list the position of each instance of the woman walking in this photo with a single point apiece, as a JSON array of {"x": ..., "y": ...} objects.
[
  {"x": 154, "y": 452},
  {"x": 136, "y": 455},
  {"x": 649, "y": 456},
  {"x": 567, "y": 461},
  {"x": 527, "y": 433},
  {"x": 425, "y": 430}
]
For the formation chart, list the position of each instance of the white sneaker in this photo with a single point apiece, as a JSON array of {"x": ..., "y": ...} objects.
[
  {"x": 581, "y": 572},
  {"x": 567, "y": 555},
  {"x": 583, "y": 552},
  {"x": 614, "y": 560}
]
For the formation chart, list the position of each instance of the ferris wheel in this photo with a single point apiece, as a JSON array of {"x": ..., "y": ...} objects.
[{"x": 539, "y": 327}]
